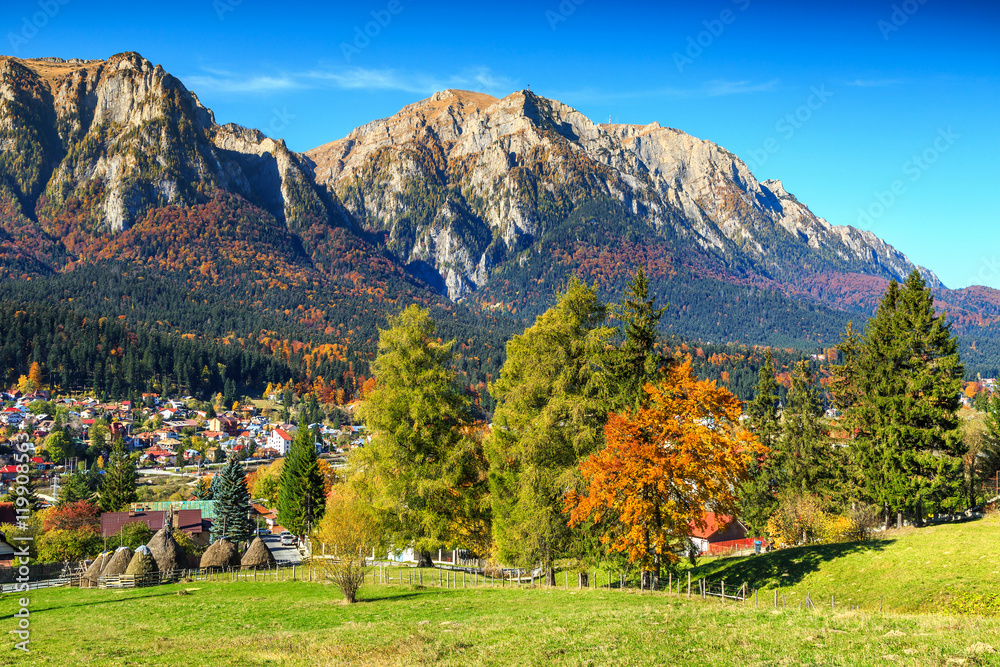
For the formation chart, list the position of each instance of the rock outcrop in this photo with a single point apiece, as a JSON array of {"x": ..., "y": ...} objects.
[{"x": 123, "y": 136}]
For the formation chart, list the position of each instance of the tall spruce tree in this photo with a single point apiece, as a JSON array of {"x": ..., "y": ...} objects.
[
  {"x": 803, "y": 441},
  {"x": 629, "y": 366},
  {"x": 300, "y": 498},
  {"x": 232, "y": 504},
  {"x": 118, "y": 489},
  {"x": 909, "y": 377},
  {"x": 419, "y": 469},
  {"x": 843, "y": 388},
  {"x": 758, "y": 494},
  {"x": 550, "y": 414}
]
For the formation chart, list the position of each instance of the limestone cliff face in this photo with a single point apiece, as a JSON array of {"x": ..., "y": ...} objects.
[
  {"x": 122, "y": 136},
  {"x": 461, "y": 181}
]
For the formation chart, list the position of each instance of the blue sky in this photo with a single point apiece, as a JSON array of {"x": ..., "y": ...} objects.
[{"x": 882, "y": 115}]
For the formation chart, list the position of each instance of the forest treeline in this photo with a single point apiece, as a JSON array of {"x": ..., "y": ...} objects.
[{"x": 606, "y": 447}]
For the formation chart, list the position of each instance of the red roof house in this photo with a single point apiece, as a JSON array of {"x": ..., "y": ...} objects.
[{"x": 719, "y": 534}]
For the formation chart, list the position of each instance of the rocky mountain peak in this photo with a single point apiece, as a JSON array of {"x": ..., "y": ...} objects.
[
  {"x": 137, "y": 132},
  {"x": 496, "y": 157}
]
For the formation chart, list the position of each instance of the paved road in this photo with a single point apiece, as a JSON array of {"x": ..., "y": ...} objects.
[{"x": 280, "y": 553}]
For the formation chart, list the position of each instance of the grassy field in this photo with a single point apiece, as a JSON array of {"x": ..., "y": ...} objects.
[
  {"x": 932, "y": 569},
  {"x": 301, "y": 623},
  {"x": 921, "y": 573}
]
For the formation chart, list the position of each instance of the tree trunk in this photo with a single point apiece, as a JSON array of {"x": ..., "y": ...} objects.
[
  {"x": 584, "y": 580},
  {"x": 888, "y": 517},
  {"x": 424, "y": 559},
  {"x": 648, "y": 581},
  {"x": 899, "y": 519},
  {"x": 918, "y": 515},
  {"x": 550, "y": 576}
]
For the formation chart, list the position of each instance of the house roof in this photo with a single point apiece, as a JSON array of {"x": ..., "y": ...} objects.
[
  {"x": 714, "y": 523},
  {"x": 282, "y": 434},
  {"x": 187, "y": 520}
]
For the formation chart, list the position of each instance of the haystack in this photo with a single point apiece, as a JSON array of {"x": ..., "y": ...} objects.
[
  {"x": 258, "y": 555},
  {"x": 222, "y": 553},
  {"x": 118, "y": 563},
  {"x": 89, "y": 579},
  {"x": 167, "y": 553},
  {"x": 142, "y": 562}
]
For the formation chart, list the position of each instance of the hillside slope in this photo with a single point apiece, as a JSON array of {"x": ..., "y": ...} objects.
[{"x": 933, "y": 569}]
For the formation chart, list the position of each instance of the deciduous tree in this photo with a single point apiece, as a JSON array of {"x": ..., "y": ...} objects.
[{"x": 664, "y": 466}]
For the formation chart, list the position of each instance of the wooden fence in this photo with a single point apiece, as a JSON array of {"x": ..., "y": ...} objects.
[{"x": 459, "y": 577}]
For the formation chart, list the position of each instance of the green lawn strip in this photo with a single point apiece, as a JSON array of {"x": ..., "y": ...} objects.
[
  {"x": 914, "y": 570},
  {"x": 301, "y": 623}
]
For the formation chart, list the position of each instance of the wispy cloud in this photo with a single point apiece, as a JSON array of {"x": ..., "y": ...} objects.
[
  {"x": 353, "y": 78},
  {"x": 874, "y": 83},
  {"x": 235, "y": 84}
]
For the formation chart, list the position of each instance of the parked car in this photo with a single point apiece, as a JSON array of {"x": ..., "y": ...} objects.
[
  {"x": 287, "y": 539},
  {"x": 263, "y": 531}
]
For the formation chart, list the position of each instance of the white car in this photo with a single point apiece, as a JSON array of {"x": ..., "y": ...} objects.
[{"x": 287, "y": 539}]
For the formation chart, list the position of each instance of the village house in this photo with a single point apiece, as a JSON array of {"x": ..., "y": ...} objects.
[
  {"x": 189, "y": 521},
  {"x": 721, "y": 533},
  {"x": 280, "y": 441}
]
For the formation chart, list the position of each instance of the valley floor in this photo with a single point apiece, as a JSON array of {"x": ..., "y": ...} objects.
[{"x": 302, "y": 623}]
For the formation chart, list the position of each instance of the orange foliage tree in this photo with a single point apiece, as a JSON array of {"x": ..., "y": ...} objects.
[
  {"x": 664, "y": 466},
  {"x": 35, "y": 374}
]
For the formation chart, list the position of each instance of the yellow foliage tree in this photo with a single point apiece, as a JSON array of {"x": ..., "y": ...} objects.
[
  {"x": 25, "y": 385},
  {"x": 664, "y": 466}
]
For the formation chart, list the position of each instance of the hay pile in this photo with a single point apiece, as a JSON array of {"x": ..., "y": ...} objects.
[
  {"x": 89, "y": 579},
  {"x": 258, "y": 555},
  {"x": 222, "y": 553},
  {"x": 118, "y": 563},
  {"x": 142, "y": 562},
  {"x": 167, "y": 553}
]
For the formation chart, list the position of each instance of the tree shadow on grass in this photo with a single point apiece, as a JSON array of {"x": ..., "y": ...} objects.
[
  {"x": 392, "y": 598},
  {"x": 130, "y": 598},
  {"x": 785, "y": 567}
]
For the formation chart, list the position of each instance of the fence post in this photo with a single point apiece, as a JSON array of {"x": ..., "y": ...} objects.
[
  {"x": 723, "y": 591},
  {"x": 689, "y": 584}
]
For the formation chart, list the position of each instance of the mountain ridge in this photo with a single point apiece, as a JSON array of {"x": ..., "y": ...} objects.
[{"x": 476, "y": 206}]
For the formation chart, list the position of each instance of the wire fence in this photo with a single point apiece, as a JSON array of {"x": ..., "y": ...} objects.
[{"x": 465, "y": 577}]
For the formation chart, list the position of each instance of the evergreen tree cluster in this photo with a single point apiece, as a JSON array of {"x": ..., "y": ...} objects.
[{"x": 896, "y": 443}]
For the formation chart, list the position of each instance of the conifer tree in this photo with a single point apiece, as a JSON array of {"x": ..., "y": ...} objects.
[
  {"x": 628, "y": 367},
  {"x": 300, "y": 498},
  {"x": 909, "y": 377},
  {"x": 550, "y": 414},
  {"x": 419, "y": 463},
  {"x": 118, "y": 489},
  {"x": 843, "y": 387},
  {"x": 232, "y": 503},
  {"x": 758, "y": 493},
  {"x": 803, "y": 436},
  {"x": 76, "y": 487},
  {"x": 24, "y": 496}
]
